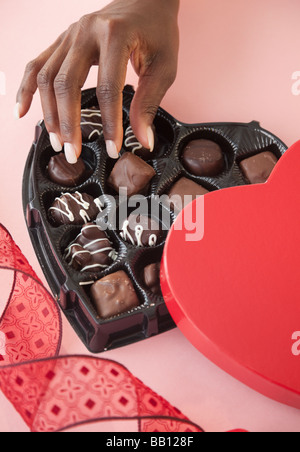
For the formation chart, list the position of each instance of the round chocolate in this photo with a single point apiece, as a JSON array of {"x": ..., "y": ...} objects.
[
  {"x": 63, "y": 173},
  {"x": 91, "y": 250},
  {"x": 74, "y": 208},
  {"x": 91, "y": 124},
  {"x": 114, "y": 295},
  {"x": 203, "y": 158},
  {"x": 141, "y": 231},
  {"x": 152, "y": 278}
]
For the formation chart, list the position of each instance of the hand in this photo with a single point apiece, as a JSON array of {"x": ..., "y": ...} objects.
[{"x": 144, "y": 31}]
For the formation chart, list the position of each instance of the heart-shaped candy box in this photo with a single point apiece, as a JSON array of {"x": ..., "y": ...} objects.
[{"x": 234, "y": 293}]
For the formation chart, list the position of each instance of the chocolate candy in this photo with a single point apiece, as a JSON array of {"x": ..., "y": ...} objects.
[
  {"x": 132, "y": 144},
  {"x": 91, "y": 124},
  {"x": 131, "y": 173},
  {"x": 182, "y": 188},
  {"x": 114, "y": 295},
  {"x": 91, "y": 250},
  {"x": 258, "y": 168},
  {"x": 74, "y": 208},
  {"x": 63, "y": 173},
  {"x": 141, "y": 231},
  {"x": 151, "y": 278},
  {"x": 203, "y": 158}
]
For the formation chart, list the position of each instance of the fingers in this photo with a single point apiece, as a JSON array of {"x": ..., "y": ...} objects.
[
  {"x": 60, "y": 80},
  {"x": 152, "y": 87},
  {"x": 45, "y": 82},
  {"x": 67, "y": 87},
  {"x": 111, "y": 80}
]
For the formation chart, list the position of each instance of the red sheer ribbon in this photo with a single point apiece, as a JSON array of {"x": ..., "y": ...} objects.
[{"x": 52, "y": 392}]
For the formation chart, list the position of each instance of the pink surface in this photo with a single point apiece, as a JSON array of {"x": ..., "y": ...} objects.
[{"x": 237, "y": 61}]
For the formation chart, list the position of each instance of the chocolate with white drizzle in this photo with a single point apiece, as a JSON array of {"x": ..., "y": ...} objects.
[
  {"x": 91, "y": 251},
  {"x": 141, "y": 231},
  {"x": 91, "y": 124},
  {"x": 75, "y": 208},
  {"x": 132, "y": 144}
]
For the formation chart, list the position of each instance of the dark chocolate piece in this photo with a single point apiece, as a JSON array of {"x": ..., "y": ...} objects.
[
  {"x": 181, "y": 189},
  {"x": 91, "y": 124},
  {"x": 141, "y": 231},
  {"x": 131, "y": 173},
  {"x": 152, "y": 278},
  {"x": 75, "y": 208},
  {"x": 114, "y": 295},
  {"x": 203, "y": 158},
  {"x": 63, "y": 173},
  {"x": 132, "y": 144},
  {"x": 257, "y": 169},
  {"x": 91, "y": 250}
]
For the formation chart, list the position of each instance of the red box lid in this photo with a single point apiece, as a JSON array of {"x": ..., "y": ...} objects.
[{"x": 231, "y": 280}]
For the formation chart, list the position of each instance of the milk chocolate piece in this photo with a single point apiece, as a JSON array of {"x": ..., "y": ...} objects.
[
  {"x": 91, "y": 250},
  {"x": 74, "y": 208},
  {"x": 91, "y": 124},
  {"x": 152, "y": 278},
  {"x": 63, "y": 173},
  {"x": 131, "y": 173},
  {"x": 203, "y": 158},
  {"x": 181, "y": 189},
  {"x": 132, "y": 144},
  {"x": 114, "y": 295},
  {"x": 258, "y": 168},
  {"x": 141, "y": 231}
]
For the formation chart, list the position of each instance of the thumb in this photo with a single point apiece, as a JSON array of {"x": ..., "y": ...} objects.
[{"x": 152, "y": 88}]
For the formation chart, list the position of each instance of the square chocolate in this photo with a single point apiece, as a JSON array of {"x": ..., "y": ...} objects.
[
  {"x": 257, "y": 169},
  {"x": 114, "y": 294},
  {"x": 131, "y": 173},
  {"x": 182, "y": 188}
]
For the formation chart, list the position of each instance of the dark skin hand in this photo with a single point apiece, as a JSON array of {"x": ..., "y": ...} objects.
[{"x": 143, "y": 31}]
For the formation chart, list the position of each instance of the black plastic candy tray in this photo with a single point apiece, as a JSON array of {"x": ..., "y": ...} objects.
[{"x": 237, "y": 141}]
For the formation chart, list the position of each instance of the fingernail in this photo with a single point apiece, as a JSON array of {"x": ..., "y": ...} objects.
[
  {"x": 55, "y": 142},
  {"x": 150, "y": 135},
  {"x": 112, "y": 149},
  {"x": 70, "y": 153},
  {"x": 17, "y": 111}
]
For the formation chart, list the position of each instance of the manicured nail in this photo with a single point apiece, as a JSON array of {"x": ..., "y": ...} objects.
[
  {"x": 17, "y": 111},
  {"x": 70, "y": 153},
  {"x": 55, "y": 142},
  {"x": 150, "y": 135},
  {"x": 112, "y": 149}
]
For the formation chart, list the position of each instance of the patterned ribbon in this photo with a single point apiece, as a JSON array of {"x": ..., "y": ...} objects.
[{"x": 54, "y": 393}]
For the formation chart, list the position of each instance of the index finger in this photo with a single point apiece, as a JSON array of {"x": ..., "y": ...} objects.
[{"x": 111, "y": 80}]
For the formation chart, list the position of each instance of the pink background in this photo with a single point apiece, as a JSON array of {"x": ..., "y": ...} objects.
[{"x": 236, "y": 63}]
